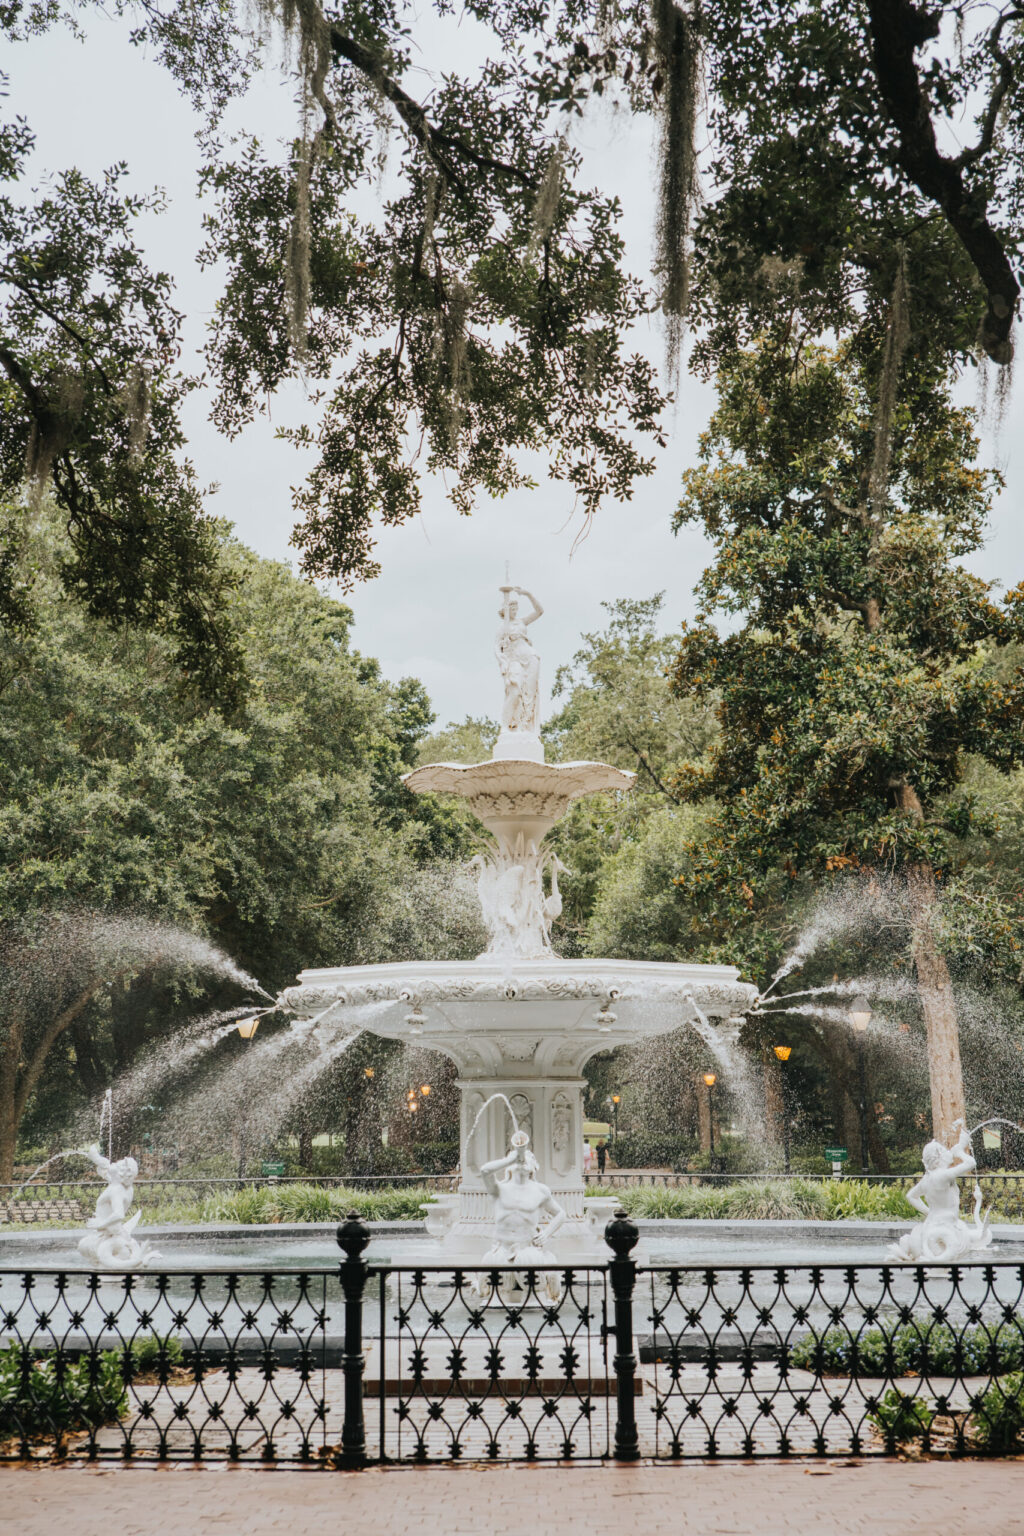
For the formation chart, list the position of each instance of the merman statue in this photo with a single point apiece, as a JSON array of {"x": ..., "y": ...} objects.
[
  {"x": 110, "y": 1242},
  {"x": 942, "y": 1235},
  {"x": 526, "y": 1215}
]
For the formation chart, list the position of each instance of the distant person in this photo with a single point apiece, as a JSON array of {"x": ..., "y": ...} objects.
[
  {"x": 588, "y": 1157},
  {"x": 602, "y": 1155}
]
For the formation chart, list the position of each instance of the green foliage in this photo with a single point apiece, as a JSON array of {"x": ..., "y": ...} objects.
[
  {"x": 436, "y": 1156},
  {"x": 484, "y": 313},
  {"x": 53, "y": 1394},
  {"x": 285, "y": 829},
  {"x": 856, "y": 684},
  {"x": 852, "y": 1199},
  {"x": 901, "y": 1418},
  {"x": 997, "y": 1418},
  {"x": 922, "y": 1347},
  {"x": 755, "y": 1199},
  {"x": 263, "y": 1205},
  {"x": 155, "y": 1356},
  {"x": 645, "y": 1150},
  {"x": 790, "y": 1199}
]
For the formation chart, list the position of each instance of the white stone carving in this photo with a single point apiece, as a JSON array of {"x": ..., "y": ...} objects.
[
  {"x": 561, "y": 1133},
  {"x": 518, "y": 1021},
  {"x": 526, "y": 1215},
  {"x": 519, "y": 665},
  {"x": 943, "y": 1235},
  {"x": 110, "y": 1241}
]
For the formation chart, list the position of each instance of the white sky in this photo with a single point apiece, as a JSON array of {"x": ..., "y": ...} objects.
[{"x": 433, "y": 611}]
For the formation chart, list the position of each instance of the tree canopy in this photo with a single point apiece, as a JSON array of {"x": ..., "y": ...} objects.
[
  {"x": 133, "y": 815},
  {"x": 484, "y": 314}
]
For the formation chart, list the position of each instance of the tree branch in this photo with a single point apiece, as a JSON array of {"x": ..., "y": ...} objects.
[
  {"x": 897, "y": 29},
  {"x": 1003, "y": 82},
  {"x": 438, "y": 146},
  {"x": 70, "y": 330}
]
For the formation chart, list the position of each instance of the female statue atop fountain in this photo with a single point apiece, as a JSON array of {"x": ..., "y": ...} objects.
[{"x": 519, "y": 664}]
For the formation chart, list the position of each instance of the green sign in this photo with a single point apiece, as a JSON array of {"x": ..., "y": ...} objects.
[
  {"x": 836, "y": 1154},
  {"x": 273, "y": 1170}
]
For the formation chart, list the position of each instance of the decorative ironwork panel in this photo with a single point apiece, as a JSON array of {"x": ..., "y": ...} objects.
[
  {"x": 498, "y": 1364},
  {"x": 213, "y": 1366},
  {"x": 832, "y": 1359}
]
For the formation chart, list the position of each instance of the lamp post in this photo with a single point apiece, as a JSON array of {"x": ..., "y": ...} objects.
[
  {"x": 783, "y": 1052},
  {"x": 860, "y": 1018},
  {"x": 711, "y": 1079},
  {"x": 615, "y": 1101}
]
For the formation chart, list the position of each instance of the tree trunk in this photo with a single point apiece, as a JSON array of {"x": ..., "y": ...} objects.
[
  {"x": 306, "y": 1151},
  {"x": 774, "y": 1103},
  {"x": 8, "y": 1135},
  {"x": 938, "y": 1004}
]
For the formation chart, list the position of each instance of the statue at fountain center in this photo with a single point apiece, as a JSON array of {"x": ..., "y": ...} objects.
[
  {"x": 519, "y": 664},
  {"x": 526, "y": 1215},
  {"x": 110, "y": 1241},
  {"x": 943, "y": 1235}
]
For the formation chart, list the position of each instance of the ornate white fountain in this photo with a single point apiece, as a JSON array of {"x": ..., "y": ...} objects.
[{"x": 519, "y": 1020}]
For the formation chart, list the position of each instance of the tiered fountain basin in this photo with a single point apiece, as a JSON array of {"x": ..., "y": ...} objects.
[{"x": 524, "y": 1028}]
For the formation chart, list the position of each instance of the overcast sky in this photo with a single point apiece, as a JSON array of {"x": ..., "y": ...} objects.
[{"x": 433, "y": 611}]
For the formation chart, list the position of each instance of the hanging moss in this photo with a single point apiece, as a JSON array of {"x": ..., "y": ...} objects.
[
  {"x": 137, "y": 402},
  {"x": 53, "y": 427},
  {"x": 677, "y": 46},
  {"x": 897, "y": 335},
  {"x": 309, "y": 33},
  {"x": 545, "y": 207},
  {"x": 452, "y": 343}
]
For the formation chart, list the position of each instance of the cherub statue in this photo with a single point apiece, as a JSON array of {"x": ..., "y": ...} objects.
[
  {"x": 942, "y": 1235},
  {"x": 110, "y": 1242},
  {"x": 526, "y": 1215}
]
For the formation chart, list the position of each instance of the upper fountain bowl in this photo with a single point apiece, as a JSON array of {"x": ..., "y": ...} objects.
[{"x": 513, "y": 795}]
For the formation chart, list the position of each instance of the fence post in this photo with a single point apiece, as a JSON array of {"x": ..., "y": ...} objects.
[
  {"x": 621, "y": 1236},
  {"x": 353, "y": 1236}
]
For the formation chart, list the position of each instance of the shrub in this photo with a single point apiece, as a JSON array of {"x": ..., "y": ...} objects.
[
  {"x": 53, "y": 1394},
  {"x": 998, "y": 1418},
  {"x": 757, "y": 1199},
  {"x": 920, "y": 1347},
  {"x": 900, "y": 1417},
  {"x": 645, "y": 1151},
  {"x": 383, "y": 1161},
  {"x": 436, "y": 1156},
  {"x": 850, "y": 1198}
]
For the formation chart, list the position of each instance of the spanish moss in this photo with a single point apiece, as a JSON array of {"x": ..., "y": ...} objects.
[
  {"x": 307, "y": 28},
  {"x": 545, "y": 208},
  {"x": 676, "y": 37}
]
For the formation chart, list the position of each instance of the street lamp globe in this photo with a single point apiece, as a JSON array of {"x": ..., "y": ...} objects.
[
  {"x": 711, "y": 1078},
  {"x": 860, "y": 1013},
  {"x": 783, "y": 1052}
]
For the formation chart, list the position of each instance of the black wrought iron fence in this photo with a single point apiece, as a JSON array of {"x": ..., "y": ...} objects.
[{"x": 362, "y": 1363}]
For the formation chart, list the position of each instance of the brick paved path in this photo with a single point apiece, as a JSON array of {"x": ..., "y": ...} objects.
[{"x": 883, "y": 1498}]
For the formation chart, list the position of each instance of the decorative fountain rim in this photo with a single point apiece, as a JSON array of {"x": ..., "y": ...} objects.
[{"x": 714, "y": 988}]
